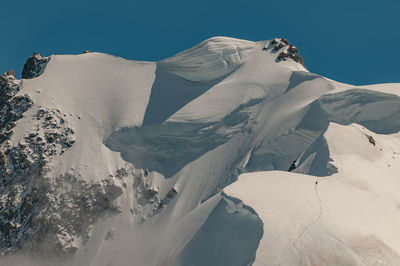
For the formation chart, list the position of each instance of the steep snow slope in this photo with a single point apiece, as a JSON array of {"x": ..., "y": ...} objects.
[{"x": 114, "y": 162}]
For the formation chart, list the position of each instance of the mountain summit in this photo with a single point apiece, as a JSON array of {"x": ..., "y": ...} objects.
[{"x": 107, "y": 161}]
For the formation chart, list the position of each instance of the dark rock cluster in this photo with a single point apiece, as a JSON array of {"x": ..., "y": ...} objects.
[
  {"x": 25, "y": 189},
  {"x": 24, "y": 186},
  {"x": 34, "y": 66},
  {"x": 12, "y": 107},
  {"x": 43, "y": 213},
  {"x": 149, "y": 201},
  {"x": 46, "y": 215},
  {"x": 9, "y": 86},
  {"x": 170, "y": 196},
  {"x": 286, "y": 50}
]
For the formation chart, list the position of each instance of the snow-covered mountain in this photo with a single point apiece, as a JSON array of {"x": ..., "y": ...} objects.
[{"x": 107, "y": 161}]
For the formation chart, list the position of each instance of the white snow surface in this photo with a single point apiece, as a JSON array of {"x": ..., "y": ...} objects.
[
  {"x": 237, "y": 110},
  {"x": 211, "y": 59},
  {"x": 348, "y": 218},
  {"x": 99, "y": 93}
]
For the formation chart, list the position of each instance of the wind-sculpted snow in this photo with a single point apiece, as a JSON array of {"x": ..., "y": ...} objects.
[
  {"x": 210, "y": 60},
  {"x": 377, "y": 111},
  {"x": 107, "y": 161}
]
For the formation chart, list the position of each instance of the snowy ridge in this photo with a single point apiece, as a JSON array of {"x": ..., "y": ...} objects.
[{"x": 115, "y": 162}]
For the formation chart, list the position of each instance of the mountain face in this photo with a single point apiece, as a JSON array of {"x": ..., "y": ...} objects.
[{"x": 107, "y": 161}]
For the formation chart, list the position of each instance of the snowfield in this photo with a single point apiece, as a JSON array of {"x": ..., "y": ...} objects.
[
  {"x": 348, "y": 218},
  {"x": 107, "y": 161}
]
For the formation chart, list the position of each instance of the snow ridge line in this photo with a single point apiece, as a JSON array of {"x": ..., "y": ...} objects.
[{"x": 314, "y": 222}]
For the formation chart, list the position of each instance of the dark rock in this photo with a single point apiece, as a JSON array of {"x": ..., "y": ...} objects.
[
  {"x": 12, "y": 110},
  {"x": 278, "y": 47},
  {"x": 11, "y": 125},
  {"x": 371, "y": 140},
  {"x": 34, "y": 66},
  {"x": 51, "y": 138},
  {"x": 9, "y": 86},
  {"x": 7, "y": 227},
  {"x": 172, "y": 193},
  {"x": 23, "y": 146},
  {"x": 292, "y": 49},
  {"x": 122, "y": 172},
  {"x": 292, "y": 166},
  {"x": 285, "y": 41},
  {"x": 149, "y": 193},
  {"x": 282, "y": 56}
]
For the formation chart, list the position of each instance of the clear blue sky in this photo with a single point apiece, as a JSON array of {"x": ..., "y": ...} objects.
[{"x": 356, "y": 42}]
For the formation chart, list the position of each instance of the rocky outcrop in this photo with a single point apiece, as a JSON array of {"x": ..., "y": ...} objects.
[
  {"x": 285, "y": 49},
  {"x": 34, "y": 66},
  {"x": 371, "y": 140},
  {"x": 42, "y": 213},
  {"x": 27, "y": 194},
  {"x": 47, "y": 214},
  {"x": 149, "y": 201},
  {"x": 9, "y": 86},
  {"x": 285, "y": 41},
  {"x": 25, "y": 189},
  {"x": 282, "y": 56},
  {"x": 11, "y": 107},
  {"x": 292, "y": 49}
]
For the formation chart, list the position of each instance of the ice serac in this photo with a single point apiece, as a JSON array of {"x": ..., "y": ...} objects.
[{"x": 107, "y": 161}]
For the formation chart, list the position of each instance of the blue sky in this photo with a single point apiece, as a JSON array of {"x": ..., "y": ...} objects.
[{"x": 350, "y": 41}]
